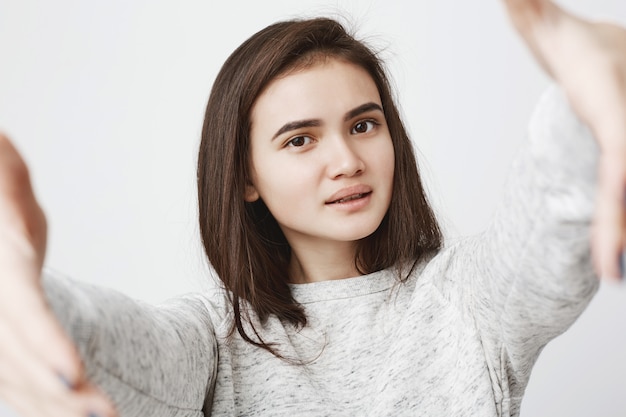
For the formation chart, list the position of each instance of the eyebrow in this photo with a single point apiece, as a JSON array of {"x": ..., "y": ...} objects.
[
  {"x": 363, "y": 108},
  {"x": 299, "y": 124}
]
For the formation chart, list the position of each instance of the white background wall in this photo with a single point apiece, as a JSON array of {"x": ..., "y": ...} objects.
[{"x": 105, "y": 100}]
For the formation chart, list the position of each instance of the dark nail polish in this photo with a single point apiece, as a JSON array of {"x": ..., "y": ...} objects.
[
  {"x": 622, "y": 262},
  {"x": 93, "y": 415}
]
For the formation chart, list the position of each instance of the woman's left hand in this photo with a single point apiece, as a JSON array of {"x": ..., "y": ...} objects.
[{"x": 588, "y": 60}]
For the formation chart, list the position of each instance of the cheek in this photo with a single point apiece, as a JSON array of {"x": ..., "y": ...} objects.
[
  {"x": 391, "y": 158},
  {"x": 387, "y": 170},
  {"x": 386, "y": 159},
  {"x": 283, "y": 185}
]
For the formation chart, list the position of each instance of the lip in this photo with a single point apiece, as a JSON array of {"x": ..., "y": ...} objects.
[{"x": 349, "y": 192}]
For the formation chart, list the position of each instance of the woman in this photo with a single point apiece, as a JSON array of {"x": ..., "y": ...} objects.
[{"x": 138, "y": 355}]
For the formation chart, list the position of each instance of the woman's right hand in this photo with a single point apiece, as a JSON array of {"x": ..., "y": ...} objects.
[
  {"x": 41, "y": 373},
  {"x": 588, "y": 60}
]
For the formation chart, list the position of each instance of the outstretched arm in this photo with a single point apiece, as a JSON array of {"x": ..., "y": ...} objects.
[
  {"x": 61, "y": 339},
  {"x": 588, "y": 60},
  {"x": 154, "y": 361}
]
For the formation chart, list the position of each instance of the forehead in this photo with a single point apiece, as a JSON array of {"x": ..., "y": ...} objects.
[{"x": 325, "y": 90}]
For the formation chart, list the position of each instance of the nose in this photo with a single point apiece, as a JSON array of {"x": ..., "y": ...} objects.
[{"x": 344, "y": 161}]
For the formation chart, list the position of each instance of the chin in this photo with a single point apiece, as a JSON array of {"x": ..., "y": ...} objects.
[{"x": 356, "y": 234}]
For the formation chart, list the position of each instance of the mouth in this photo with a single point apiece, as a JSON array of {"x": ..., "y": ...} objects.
[{"x": 349, "y": 198}]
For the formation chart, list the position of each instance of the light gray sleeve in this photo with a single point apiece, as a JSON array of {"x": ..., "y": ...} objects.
[
  {"x": 530, "y": 274},
  {"x": 151, "y": 361}
]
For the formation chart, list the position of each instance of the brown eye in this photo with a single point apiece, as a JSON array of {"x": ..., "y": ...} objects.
[
  {"x": 363, "y": 126},
  {"x": 299, "y": 141}
]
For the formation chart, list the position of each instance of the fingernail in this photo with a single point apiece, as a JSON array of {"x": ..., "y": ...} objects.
[
  {"x": 65, "y": 381},
  {"x": 622, "y": 262},
  {"x": 94, "y": 415}
]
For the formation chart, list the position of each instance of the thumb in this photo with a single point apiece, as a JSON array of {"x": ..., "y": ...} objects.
[
  {"x": 19, "y": 211},
  {"x": 37, "y": 331}
]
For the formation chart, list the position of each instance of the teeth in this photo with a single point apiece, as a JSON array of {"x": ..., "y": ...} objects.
[{"x": 352, "y": 197}]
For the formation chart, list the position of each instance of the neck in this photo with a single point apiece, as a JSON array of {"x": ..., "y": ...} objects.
[{"x": 313, "y": 261}]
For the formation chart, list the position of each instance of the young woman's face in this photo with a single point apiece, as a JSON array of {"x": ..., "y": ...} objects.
[{"x": 322, "y": 158}]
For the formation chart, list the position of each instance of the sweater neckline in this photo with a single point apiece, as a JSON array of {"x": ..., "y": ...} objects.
[{"x": 344, "y": 288}]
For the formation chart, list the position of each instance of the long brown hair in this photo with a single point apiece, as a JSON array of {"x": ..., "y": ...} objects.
[{"x": 242, "y": 240}]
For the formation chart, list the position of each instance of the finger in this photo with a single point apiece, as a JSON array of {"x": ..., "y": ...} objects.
[
  {"x": 95, "y": 402},
  {"x": 72, "y": 405},
  {"x": 531, "y": 8},
  {"x": 44, "y": 393},
  {"x": 527, "y": 15},
  {"x": 22, "y": 370},
  {"x": 17, "y": 402},
  {"x": 534, "y": 20},
  {"x": 609, "y": 127},
  {"x": 19, "y": 207},
  {"x": 14, "y": 178},
  {"x": 36, "y": 329},
  {"x": 609, "y": 218},
  {"x": 87, "y": 401}
]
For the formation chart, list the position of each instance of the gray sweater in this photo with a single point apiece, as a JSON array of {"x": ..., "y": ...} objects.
[{"x": 458, "y": 338}]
